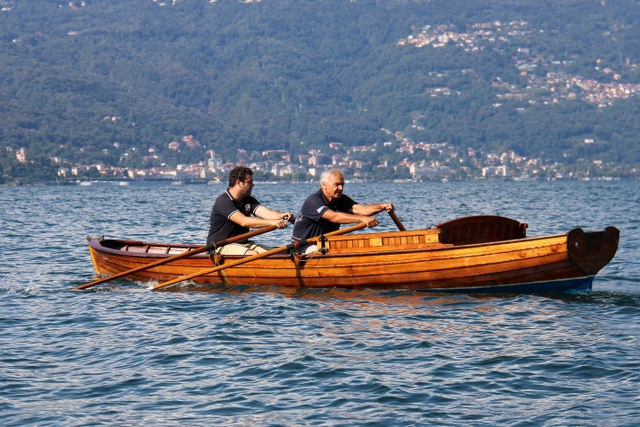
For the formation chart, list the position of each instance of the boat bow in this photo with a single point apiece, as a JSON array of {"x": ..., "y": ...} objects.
[{"x": 593, "y": 250}]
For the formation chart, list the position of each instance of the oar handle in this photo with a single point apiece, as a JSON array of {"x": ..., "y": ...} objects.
[
  {"x": 179, "y": 256},
  {"x": 395, "y": 219},
  {"x": 288, "y": 247}
]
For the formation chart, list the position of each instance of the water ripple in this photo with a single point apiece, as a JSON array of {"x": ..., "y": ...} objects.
[{"x": 120, "y": 354}]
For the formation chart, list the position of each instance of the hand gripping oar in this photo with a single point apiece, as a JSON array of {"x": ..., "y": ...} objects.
[
  {"x": 180, "y": 256},
  {"x": 288, "y": 247},
  {"x": 395, "y": 219}
]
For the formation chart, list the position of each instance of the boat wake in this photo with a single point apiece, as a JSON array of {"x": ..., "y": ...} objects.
[{"x": 15, "y": 285}]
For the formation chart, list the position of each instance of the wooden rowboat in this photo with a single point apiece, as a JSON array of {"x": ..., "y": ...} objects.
[{"x": 471, "y": 254}]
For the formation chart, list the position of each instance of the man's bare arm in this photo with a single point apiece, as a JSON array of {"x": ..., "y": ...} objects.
[
  {"x": 347, "y": 218},
  {"x": 266, "y": 213},
  {"x": 369, "y": 210},
  {"x": 253, "y": 222}
]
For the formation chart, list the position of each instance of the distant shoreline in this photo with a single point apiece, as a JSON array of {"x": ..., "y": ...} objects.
[{"x": 125, "y": 183}]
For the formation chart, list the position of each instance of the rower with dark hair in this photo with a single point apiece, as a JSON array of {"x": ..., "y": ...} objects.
[{"x": 235, "y": 211}]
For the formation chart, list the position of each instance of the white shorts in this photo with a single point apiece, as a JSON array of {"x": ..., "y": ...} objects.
[{"x": 241, "y": 248}]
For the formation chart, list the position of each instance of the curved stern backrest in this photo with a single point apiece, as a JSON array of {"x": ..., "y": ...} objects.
[{"x": 481, "y": 229}]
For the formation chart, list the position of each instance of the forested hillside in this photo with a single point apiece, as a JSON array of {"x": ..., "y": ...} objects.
[{"x": 106, "y": 81}]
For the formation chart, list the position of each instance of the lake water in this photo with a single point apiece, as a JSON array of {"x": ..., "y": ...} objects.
[{"x": 119, "y": 354}]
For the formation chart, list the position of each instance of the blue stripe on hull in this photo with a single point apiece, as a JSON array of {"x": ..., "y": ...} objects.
[{"x": 563, "y": 285}]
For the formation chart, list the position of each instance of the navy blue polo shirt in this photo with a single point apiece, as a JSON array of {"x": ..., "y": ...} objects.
[
  {"x": 310, "y": 223},
  {"x": 220, "y": 226}
]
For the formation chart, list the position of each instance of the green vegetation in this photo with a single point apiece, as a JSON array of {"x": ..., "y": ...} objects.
[{"x": 115, "y": 82}]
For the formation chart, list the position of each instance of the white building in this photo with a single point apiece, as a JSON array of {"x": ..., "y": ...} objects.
[{"x": 495, "y": 171}]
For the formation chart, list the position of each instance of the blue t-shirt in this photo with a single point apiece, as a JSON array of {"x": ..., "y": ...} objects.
[
  {"x": 220, "y": 226},
  {"x": 310, "y": 223}
]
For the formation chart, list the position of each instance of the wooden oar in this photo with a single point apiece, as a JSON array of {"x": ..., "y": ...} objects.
[
  {"x": 180, "y": 256},
  {"x": 258, "y": 256},
  {"x": 395, "y": 219}
]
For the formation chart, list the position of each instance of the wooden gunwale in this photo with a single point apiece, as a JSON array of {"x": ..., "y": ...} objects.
[{"x": 479, "y": 248}]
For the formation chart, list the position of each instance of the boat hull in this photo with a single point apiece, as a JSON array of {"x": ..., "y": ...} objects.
[{"x": 426, "y": 260}]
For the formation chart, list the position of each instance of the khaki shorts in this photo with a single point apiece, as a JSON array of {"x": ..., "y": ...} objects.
[{"x": 241, "y": 248}]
